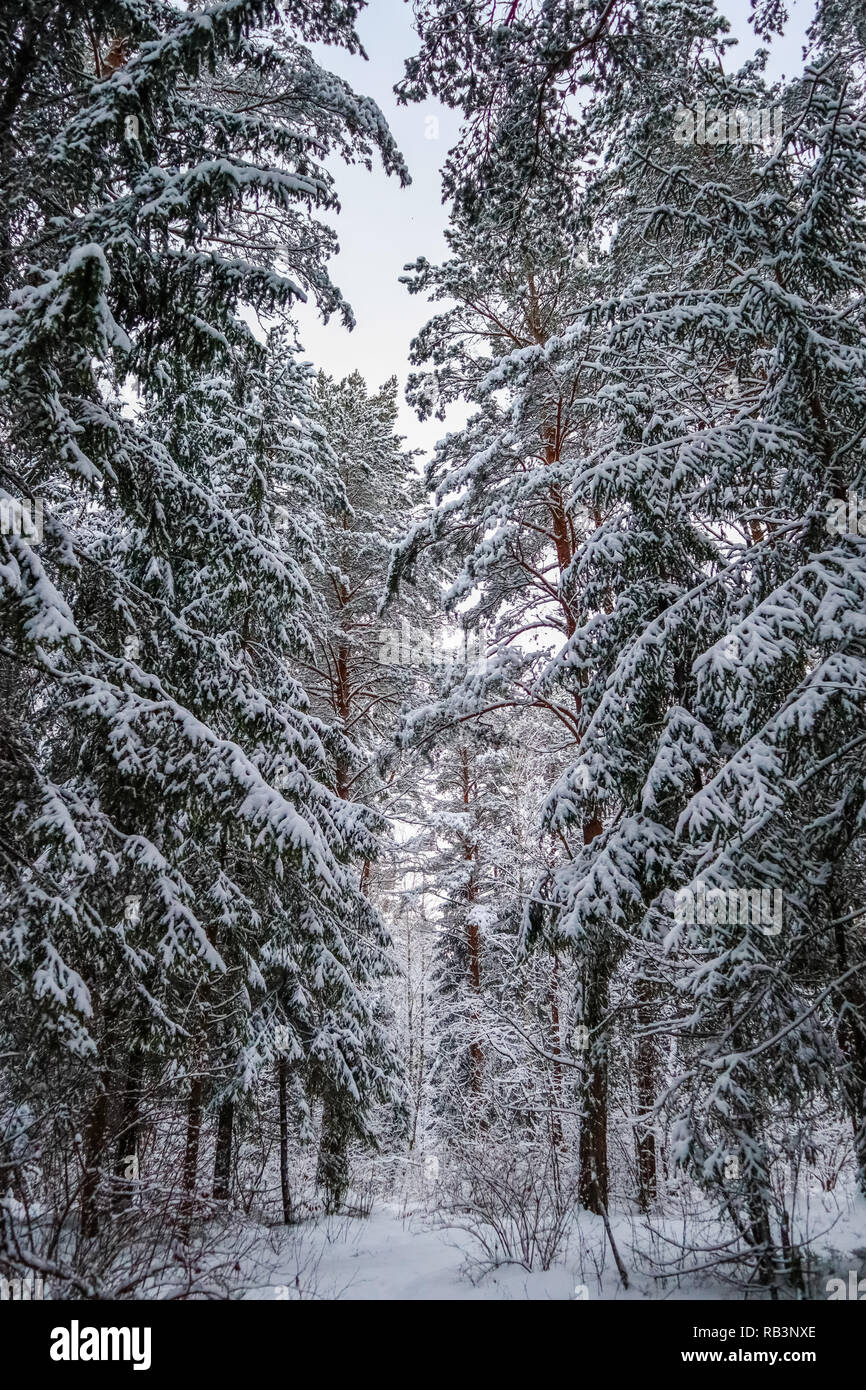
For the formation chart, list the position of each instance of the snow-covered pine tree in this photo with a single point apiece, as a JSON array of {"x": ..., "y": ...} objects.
[
  {"x": 521, "y": 72},
  {"x": 498, "y": 1036},
  {"x": 506, "y": 516},
  {"x": 349, "y": 683},
  {"x": 706, "y": 720},
  {"x": 713, "y": 648},
  {"x": 173, "y": 821},
  {"x": 258, "y": 445},
  {"x": 356, "y": 676}
]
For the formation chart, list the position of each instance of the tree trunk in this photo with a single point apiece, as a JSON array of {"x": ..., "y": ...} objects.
[
  {"x": 593, "y": 1180},
  {"x": 222, "y": 1166},
  {"x": 93, "y": 1155},
  {"x": 190, "y": 1158},
  {"x": 285, "y": 1192},
  {"x": 332, "y": 1172}
]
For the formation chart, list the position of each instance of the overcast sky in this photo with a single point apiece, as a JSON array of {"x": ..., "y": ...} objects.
[{"x": 382, "y": 227}]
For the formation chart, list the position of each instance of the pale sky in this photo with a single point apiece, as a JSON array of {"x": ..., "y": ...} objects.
[{"x": 382, "y": 227}]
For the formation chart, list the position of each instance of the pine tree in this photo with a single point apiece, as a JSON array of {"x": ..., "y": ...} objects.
[
  {"x": 348, "y": 682},
  {"x": 710, "y": 363},
  {"x": 176, "y": 836}
]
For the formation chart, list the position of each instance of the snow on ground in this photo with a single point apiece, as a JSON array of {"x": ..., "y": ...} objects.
[
  {"x": 395, "y": 1255},
  {"x": 402, "y": 1252}
]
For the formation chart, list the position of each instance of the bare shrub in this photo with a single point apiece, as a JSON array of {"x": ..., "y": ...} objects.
[{"x": 516, "y": 1203}]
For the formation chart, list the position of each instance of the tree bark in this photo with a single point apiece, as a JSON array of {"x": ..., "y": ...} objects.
[
  {"x": 285, "y": 1191},
  {"x": 190, "y": 1158},
  {"x": 593, "y": 1179},
  {"x": 222, "y": 1167},
  {"x": 93, "y": 1154}
]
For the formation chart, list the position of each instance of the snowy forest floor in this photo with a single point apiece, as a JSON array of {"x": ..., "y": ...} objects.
[{"x": 404, "y": 1251}]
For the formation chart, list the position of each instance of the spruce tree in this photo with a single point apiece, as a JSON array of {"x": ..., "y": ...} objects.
[{"x": 176, "y": 836}]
